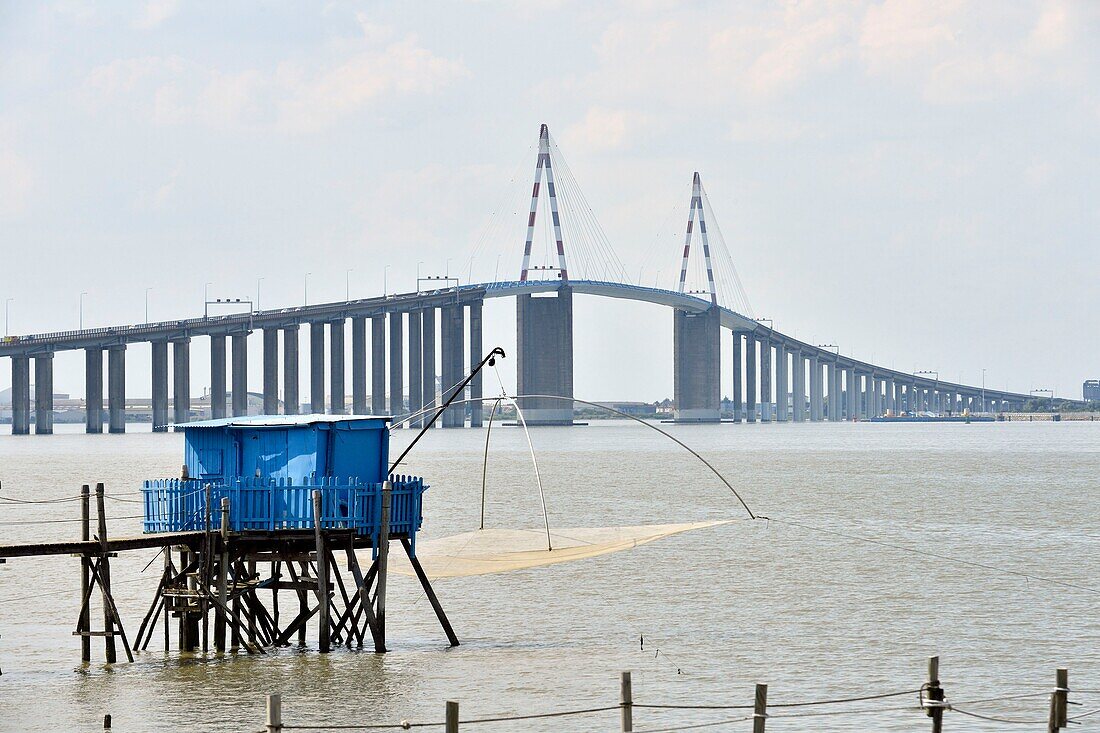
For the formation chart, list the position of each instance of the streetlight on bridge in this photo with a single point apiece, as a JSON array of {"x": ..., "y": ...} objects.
[
  {"x": 147, "y": 304},
  {"x": 347, "y": 284},
  {"x": 81, "y": 309},
  {"x": 257, "y": 304},
  {"x": 7, "y": 303},
  {"x": 305, "y": 289}
]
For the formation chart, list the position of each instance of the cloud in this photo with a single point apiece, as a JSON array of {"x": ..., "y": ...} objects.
[
  {"x": 293, "y": 96},
  {"x": 605, "y": 129},
  {"x": 156, "y": 12}
]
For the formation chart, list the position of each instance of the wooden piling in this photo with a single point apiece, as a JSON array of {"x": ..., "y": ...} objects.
[
  {"x": 935, "y": 695},
  {"x": 383, "y": 564},
  {"x": 274, "y": 714},
  {"x": 105, "y": 578},
  {"x": 324, "y": 632},
  {"x": 223, "y": 579},
  {"x": 626, "y": 700},
  {"x": 451, "y": 717},
  {"x": 760, "y": 709},
  {"x": 1059, "y": 702},
  {"x": 85, "y": 623}
]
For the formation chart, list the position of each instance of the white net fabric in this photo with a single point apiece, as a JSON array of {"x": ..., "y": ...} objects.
[{"x": 500, "y": 550}]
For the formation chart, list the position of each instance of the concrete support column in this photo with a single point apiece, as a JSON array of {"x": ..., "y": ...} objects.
[
  {"x": 476, "y": 355},
  {"x": 851, "y": 391},
  {"x": 452, "y": 344},
  {"x": 116, "y": 389},
  {"x": 271, "y": 371},
  {"x": 217, "y": 376},
  {"x": 815, "y": 388},
  {"x": 240, "y": 374},
  {"x": 160, "y": 386},
  {"x": 891, "y": 398},
  {"x": 798, "y": 385},
  {"x": 317, "y": 368},
  {"x": 834, "y": 392},
  {"x": 427, "y": 363},
  {"x": 416, "y": 363},
  {"x": 378, "y": 364},
  {"x": 291, "y": 401},
  {"x": 544, "y": 365},
  {"x": 359, "y": 365},
  {"x": 750, "y": 377},
  {"x": 20, "y": 395},
  {"x": 738, "y": 396},
  {"x": 765, "y": 380},
  {"x": 93, "y": 389},
  {"x": 337, "y": 404},
  {"x": 181, "y": 380},
  {"x": 782, "y": 414},
  {"x": 397, "y": 364},
  {"x": 43, "y": 394},
  {"x": 697, "y": 368}
]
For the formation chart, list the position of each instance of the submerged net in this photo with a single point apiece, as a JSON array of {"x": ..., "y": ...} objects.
[{"x": 487, "y": 551}]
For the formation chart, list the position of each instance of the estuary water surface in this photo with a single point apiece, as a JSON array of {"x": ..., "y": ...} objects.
[{"x": 814, "y": 615}]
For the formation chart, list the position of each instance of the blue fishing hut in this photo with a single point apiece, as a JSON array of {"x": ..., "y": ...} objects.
[{"x": 268, "y": 466}]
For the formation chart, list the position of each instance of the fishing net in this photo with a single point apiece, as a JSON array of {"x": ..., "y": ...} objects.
[{"x": 487, "y": 551}]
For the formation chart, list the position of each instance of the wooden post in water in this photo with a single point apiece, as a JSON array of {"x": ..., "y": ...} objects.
[
  {"x": 626, "y": 700},
  {"x": 274, "y": 714},
  {"x": 223, "y": 580},
  {"x": 760, "y": 709},
  {"x": 85, "y": 624},
  {"x": 935, "y": 694},
  {"x": 105, "y": 577},
  {"x": 383, "y": 564},
  {"x": 1059, "y": 702},
  {"x": 324, "y": 632},
  {"x": 451, "y": 717}
]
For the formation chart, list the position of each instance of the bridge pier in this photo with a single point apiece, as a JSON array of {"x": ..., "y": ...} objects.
[
  {"x": 851, "y": 394},
  {"x": 427, "y": 363},
  {"x": 834, "y": 391},
  {"x": 181, "y": 380},
  {"x": 337, "y": 399},
  {"x": 416, "y": 363},
  {"x": 697, "y": 348},
  {"x": 217, "y": 376},
  {"x": 271, "y": 371},
  {"x": 798, "y": 385},
  {"x": 20, "y": 395},
  {"x": 397, "y": 365},
  {"x": 750, "y": 377},
  {"x": 317, "y": 367},
  {"x": 738, "y": 397},
  {"x": 477, "y": 353},
  {"x": 116, "y": 388},
  {"x": 359, "y": 365},
  {"x": 160, "y": 385},
  {"x": 240, "y": 373},
  {"x": 782, "y": 414},
  {"x": 378, "y": 364},
  {"x": 815, "y": 387},
  {"x": 291, "y": 401},
  {"x": 451, "y": 328},
  {"x": 43, "y": 393},
  {"x": 544, "y": 365},
  {"x": 93, "y": 390},
  {"x": 765, "y": 380}
]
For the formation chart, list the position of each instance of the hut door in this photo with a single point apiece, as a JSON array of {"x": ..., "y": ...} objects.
[{"x": 263, "y": 451}]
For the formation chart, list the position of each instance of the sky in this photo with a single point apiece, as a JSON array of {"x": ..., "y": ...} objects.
[{"x": 913, "y": 182}]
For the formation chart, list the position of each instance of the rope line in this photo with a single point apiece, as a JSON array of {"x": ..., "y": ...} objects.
[
  {"x": 809, "y": 703},
  {"x": 994, "y": 718},
  {"x": 404, "y": 725}
]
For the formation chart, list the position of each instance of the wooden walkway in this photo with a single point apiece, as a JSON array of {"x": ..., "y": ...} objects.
[{"x": 94, "y": 547}]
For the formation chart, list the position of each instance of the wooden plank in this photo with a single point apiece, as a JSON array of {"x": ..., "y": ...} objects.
[{"x": 430, "y": 593}]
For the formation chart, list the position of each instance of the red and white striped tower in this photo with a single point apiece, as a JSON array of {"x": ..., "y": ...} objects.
[
  {"x": 697, "y": 206},
  {"x": 544, "y": 163}
]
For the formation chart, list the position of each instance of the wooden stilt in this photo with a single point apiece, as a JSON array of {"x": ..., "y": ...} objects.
[
  {"x": 323, "y": 630},
  {"x": 85, "y": 622},
  {"x": 223, "y": 579},
  {"x": 164, "y": 601},
  {"x": 105, "y": 576},
  {"x": 383, "y": 562},
  {"x": 430, "y": 593}
]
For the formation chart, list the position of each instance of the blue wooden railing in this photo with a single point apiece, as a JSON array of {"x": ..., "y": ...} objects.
[{"x": 267, "y": 505}]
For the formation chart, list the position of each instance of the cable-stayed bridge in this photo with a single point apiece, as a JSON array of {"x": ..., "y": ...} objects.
[{"x": 419, "y": 340}]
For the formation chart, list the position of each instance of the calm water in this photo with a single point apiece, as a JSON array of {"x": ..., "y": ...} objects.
[{"x": 813, "y": 615}]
